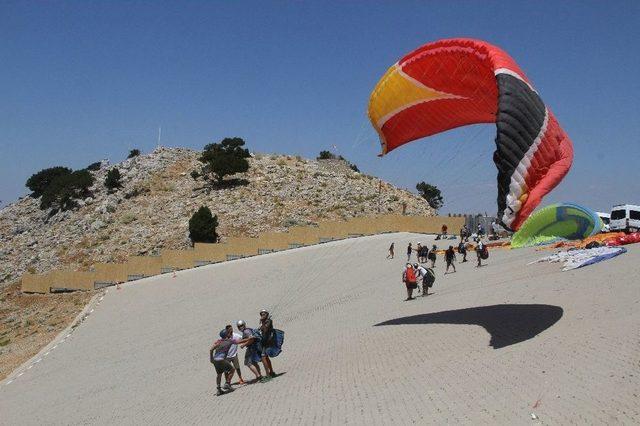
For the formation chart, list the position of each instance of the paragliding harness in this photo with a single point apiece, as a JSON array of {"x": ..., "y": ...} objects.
[
  {"x": 484, "y": 253},
  {"x": 271, "y": 344},
  {"x": 429, "y": 278},
  {"x": 432, "y": 255}
]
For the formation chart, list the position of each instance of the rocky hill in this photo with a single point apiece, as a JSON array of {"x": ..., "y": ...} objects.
[{"x": 152, "y": 209}]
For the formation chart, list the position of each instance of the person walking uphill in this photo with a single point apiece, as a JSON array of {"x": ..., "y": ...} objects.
[
  {"x": 390, "y": 255},
  {"x": 409, "y": 250},
  {"x": 410, "y": 280}
]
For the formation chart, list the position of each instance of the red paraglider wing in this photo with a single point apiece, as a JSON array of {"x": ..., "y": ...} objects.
[{"x": 452, "y": 83}]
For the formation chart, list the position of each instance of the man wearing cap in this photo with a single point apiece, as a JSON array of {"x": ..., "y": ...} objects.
[{"x": 218, "y": 356}]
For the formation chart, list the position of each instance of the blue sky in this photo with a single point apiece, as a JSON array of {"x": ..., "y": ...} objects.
[{"x": 82, "y": 81}]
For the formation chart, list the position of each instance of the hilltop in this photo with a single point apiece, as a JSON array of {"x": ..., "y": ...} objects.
[{"x": 151, "y": 210}]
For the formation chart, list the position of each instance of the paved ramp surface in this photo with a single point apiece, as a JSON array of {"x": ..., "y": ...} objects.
[{"x": 492, "y": 346}]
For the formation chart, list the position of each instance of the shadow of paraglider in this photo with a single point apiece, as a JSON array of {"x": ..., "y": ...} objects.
[{"x": 508, "y": 324}]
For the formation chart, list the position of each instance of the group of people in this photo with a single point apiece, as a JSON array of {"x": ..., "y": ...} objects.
[
  {"x": 261, "y": 343},
  {"x": 414, "y": 273}
]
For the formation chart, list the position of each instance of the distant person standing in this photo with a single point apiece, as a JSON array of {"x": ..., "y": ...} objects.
[
  {"x": 480, "y": 230},
  {"x": 391, "y": 248},
  {"x": 432, "y": 256},
  {"x": 462, "y": 249},
  {"x": 423, "y": 254},
  {"x": 450, "y": 257},
  {"x": 409, "y": 250},
  {"x": 464, "y": 233},
  {"x": 410, "y": 280},
  {"x": 444, "y": 231},
  {"x": 480, "y": 248}
]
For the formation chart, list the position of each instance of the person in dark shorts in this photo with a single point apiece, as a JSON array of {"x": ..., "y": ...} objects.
[
  {"x": 450, "y": 258},
  {"x": 390, "y": 255},
  {"x": 218, "y": 356},
  {"x": 409, "y": 250},
  {"x": 410, "y": 280}
]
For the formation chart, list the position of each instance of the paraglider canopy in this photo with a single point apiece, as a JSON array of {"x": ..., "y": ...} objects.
[
  {"x": 456, "y": 82},
  {"x": 563, "y": 221}
]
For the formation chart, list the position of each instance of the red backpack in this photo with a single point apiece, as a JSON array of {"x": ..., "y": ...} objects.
[{"x": 410, "y": 275}]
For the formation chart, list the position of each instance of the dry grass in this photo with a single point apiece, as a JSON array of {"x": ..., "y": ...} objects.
[{"x": 28, "y": 322}]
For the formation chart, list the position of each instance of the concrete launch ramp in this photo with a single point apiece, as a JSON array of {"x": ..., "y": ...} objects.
[{"x": 492, "y": 345}]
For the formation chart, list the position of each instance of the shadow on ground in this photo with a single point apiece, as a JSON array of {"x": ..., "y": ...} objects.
[{"x": 508, "y": 324}]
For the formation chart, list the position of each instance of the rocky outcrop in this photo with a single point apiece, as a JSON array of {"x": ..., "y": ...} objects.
[{"x": 158, "y": 196}]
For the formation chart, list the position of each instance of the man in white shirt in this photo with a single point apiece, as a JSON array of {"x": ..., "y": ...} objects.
[{"x": 232, "y": 356}]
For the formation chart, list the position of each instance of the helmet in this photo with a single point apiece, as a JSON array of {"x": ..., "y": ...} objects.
[
  {"x": 223, "y": 333},
  {"x": 415, "y": 265},
  {"x": 264, "y": 311},
  {"x": 240, "y": 323}
]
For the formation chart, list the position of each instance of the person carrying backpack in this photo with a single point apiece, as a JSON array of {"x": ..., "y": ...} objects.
[
  {"x": 252, "y": 353},
  {"x": 428, "y": 278},
  {"x": 410, "y": 280}
]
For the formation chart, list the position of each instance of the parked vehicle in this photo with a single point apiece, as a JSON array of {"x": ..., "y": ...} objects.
[
  {"x": 625, "y": 217},
  {"x": 605, "y": 218}
]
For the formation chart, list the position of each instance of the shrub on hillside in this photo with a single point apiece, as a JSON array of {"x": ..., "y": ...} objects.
[
  {"x": 225, "y": 158},
  {"x": 112, "y": 181},
  {"x": 65, "y": 189},
  {"x": 202, "y": 226},
  {"x": 134, "y": 153},
  {"x": 326, "y": 155},
  {"x": 39, "y": 182},
  {"x": 93, "y": 167}
]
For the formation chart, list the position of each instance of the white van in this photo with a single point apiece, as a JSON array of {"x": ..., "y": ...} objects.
[
  {"x": 625, "y": 217},
  {"x": 605, "y": 218}
]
